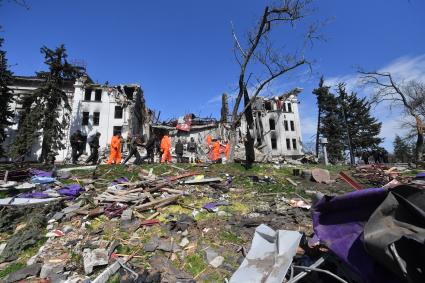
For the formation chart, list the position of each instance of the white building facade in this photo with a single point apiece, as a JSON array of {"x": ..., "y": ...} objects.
[
  {"x": 277, "y": 128},
  {"x": 95, "y": 108}
]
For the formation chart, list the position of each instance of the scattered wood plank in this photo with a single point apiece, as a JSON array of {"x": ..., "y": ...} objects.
[
  {"x": 154, "y": 204},
  {"x": 291, "y": 181}
]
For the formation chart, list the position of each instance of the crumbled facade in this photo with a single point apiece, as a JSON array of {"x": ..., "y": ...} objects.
[{"x": 277, "y": 127}]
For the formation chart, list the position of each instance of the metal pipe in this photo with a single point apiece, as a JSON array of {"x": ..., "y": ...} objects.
[
  {"x": 323, "y": 271},
  {"x": 301, "y": 275}
]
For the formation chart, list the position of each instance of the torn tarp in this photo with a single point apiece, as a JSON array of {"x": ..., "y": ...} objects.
[
  {"x": 339, "y": 222},
  {"x": 395, "y": 233},
  {"x": 270, "y": 256}
]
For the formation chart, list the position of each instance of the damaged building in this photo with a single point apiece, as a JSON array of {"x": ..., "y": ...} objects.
[
  {"x": 277, "y": 129},
  {"x": 122, "y": 108},
  {"x": 95, "y": 108},
  {"x": 191, "y": 126}
]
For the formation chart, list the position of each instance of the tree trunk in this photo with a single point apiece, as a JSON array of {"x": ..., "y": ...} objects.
[
  {"x": 249, "y": 143},
  {"x": 419, "y": 147},
  {"x": 318, "y": 132},
  {"x": 232, "y": 142},
  {"x": 224, "y": 108}
]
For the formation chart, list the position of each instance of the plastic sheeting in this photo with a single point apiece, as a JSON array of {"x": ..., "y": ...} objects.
[
  {"x": 339, "y": 223},
  {"x": 270, "y": 256},
  {"x": 42, "y": 180},
  {"x": 395, "y": 233}
]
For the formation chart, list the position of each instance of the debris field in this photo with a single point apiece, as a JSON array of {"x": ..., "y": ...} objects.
[{"x": 191, "y": 223}]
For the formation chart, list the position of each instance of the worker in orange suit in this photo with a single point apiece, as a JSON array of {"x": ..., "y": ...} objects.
[
  {"x": 227, "y": 150},
  {"x": 216, "y": 150},
  {"x": 115, "y": 154},
  {"x": 165, "y": 148},
  {"x": 209, "y": 139}
]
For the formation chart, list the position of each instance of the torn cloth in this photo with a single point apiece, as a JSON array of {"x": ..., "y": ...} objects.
[
  {"x": 339, "y": 221},
  {"x": 73, "y": 190},
  {"x": 41, "y": 173}
]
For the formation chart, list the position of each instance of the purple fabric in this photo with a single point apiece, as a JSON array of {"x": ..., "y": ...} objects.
[
  {"x": 72, "y": 190},
  {"x": 213, "y": 205},
  {"x": 119, "y": 181},
  {"x": 338, "y": 223},
  {"x": 34, "y": 195},
  {"x": 41, "y": 173},
  {"x": 420, "y": 175},
  {"x": 210, "y": 206}
]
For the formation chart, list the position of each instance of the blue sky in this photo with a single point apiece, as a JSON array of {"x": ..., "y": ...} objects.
[{"x": 181, "y": 51}]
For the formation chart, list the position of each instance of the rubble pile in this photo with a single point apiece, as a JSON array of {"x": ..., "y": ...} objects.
[
  {"x": 196, "y": 224},
  {"x": 381, "y": 174}
]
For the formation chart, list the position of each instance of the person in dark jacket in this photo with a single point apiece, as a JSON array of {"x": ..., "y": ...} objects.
[
  {"x": 192, "y": 149},
  {"x": 150, "y": 149},
  {"x": 135, "y": 142},
  {"x": 179, "y": 151},
  {"x": 94, "y": 149},
  {"x": 76, "y": 141}
]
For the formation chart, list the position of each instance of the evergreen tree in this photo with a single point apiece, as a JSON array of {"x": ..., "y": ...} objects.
[
  {"x": 362, "y": 130},
  {"x": 346, "y": 122},
  {"x": 403, "y": 151},
  {"x": 332, "y": 128},
  {"x": 6, "y": 97},
  {"x": 47, "y": 109}
]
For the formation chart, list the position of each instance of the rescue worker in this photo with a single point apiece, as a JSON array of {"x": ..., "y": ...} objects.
[
  {"x": 165, "y": 148},
  {"x": 209, "y": 140},
  {"x": 76, "y": 141},
  {"x": 216, "y": 150},
  {"x": 227, "y": 150},
  {"x": 191, "y": 148},
  {"x": 94, "y": 149},
  {"x": 115, "y": 155},
  {"x": 135, "y": 141},
  {"x": 150, "y": 149},
  {"x": 179, "y": 151}
]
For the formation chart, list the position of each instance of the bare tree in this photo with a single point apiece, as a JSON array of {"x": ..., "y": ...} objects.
[
  {"x": 409, "y": 95},
  {"x": 259, "y": 49}
]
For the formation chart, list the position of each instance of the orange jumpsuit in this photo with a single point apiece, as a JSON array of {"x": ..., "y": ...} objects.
[
  {"x": 216, "y": 150},
  {"x": 227, "y": 150},
  {"x": 166, "y": 146},
  {"x": 209, "y": 139},
  {"x": 115, "y": 154}
]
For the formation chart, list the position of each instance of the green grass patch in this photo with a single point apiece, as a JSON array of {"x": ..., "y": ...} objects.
[
  {"x": 229, "y": 237},
  {"x": 124, "y": 249},
  {"x": 11, "y": 268},
  {"x": 31, "y": 251},
  {"x": 195, "y": 264},
  {"x": 114, "y": 278}
]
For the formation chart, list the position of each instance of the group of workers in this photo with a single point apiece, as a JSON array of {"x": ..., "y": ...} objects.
[
  {"x": 151, "y": 145},
  {"x": 78, "y": 143},
  {"x": 215, "y": 146}
]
